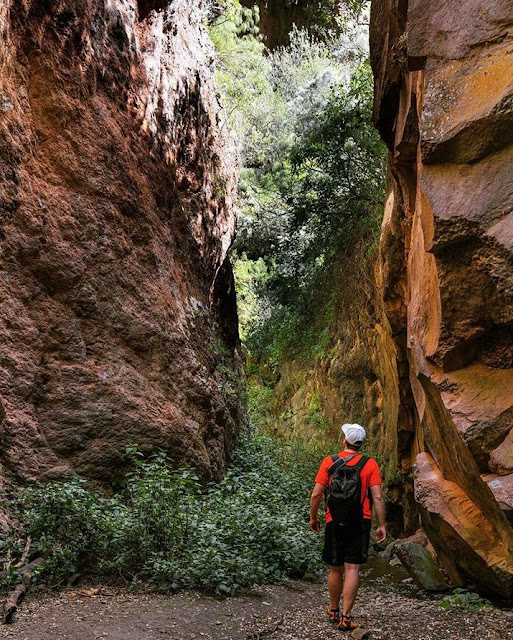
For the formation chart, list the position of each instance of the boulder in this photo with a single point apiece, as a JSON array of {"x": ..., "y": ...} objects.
[
  {"x": 480, "y": 400},
  {"x": 387, "y": 554},
  {"x": 501, "y": 458},
  {"x": 420, "y": 565}
]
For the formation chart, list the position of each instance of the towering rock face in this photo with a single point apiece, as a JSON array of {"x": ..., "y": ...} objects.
[
  {"x": 444, "y": 105},
  {"x": 118, "y": 322}
]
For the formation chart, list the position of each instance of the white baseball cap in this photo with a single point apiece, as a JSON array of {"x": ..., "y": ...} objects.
[{"x": 353, "y": 433}]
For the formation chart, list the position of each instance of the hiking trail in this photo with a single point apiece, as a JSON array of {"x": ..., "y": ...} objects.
[{"x": 390, "y": 608}]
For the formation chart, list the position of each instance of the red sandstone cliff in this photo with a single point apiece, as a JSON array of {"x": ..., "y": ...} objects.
[
  {"x": 444, "y": 105},
  {"x": 118, "y": 321}
]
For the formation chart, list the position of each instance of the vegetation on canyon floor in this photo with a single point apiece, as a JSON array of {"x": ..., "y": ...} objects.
[
  {"x": 163, "y": 530},
  {"x": 166, "y": 530},
  {"x": 463, "y": 599}
]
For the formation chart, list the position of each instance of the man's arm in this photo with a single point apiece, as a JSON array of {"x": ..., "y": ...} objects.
[
  {"x": 315, "y": 503},
  {"x": 379, "y": 505}
]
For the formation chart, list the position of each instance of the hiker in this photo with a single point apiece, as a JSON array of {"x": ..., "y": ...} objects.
[{"x": 352, "y": 484}]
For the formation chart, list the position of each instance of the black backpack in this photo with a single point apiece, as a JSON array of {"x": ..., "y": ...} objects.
[{"x": 343, "y": 496}]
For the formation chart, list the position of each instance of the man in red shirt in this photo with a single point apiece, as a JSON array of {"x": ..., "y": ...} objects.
[{"x": 346, "y": 547}]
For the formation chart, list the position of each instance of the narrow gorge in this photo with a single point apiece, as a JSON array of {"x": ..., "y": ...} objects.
[
  {"x": 422, "y": 342},
  {"x": 121, "y": 183}
]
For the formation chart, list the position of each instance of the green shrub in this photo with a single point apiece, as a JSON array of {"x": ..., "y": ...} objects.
[
  {"x": 463, "y": 599},
  {"x": 258, "y": 399},
  {"x": 302, "y": 216},
  {"x": 67, "y": 524},
  {"x": 165, "y": 530}
]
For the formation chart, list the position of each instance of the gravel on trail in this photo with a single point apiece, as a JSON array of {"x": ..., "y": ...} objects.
[{"x": 390, "y": 608}]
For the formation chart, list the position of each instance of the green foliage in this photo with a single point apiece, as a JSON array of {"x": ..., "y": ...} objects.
[
  {"x": 312, "y": 176},
  {"x": 249, "y": 275},
  {"x": 327, "y": 194},
  {"x": 165, "y": 530},
  {"x": 63, "y": 521},
  {"x": 463, "y": 599},
  {"x": 243, "y": 78},
  {"x": 217, "y": 348},
  {"x": 315, "y": 416},
  {"x": 259, "y": 397},
  {"x": 298, "y": 329}
]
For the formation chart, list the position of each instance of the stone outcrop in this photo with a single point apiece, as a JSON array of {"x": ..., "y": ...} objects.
[
  {"x": 118, "y": 322},
  {"x": 444, "y": 106},
  {"x": 502, "y": 489},
  {"x": 420, "y": 565},
  {"x": 471, "y": 544}
]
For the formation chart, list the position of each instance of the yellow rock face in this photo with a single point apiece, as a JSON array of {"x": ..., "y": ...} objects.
[
  {"x": 444, "y": 105},
  {"x": 467, "y": 114}
]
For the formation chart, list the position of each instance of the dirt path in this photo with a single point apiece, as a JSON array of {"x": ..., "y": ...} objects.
[{"x": 391, "y": 609}]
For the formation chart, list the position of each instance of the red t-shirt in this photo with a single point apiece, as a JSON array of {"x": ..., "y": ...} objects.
[{"x": 369, "y": 476}]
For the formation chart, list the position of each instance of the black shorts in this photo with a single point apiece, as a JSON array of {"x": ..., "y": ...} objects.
[{"x": 346, "y": 544}]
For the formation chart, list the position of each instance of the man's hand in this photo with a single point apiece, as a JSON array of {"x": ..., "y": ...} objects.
[
  {"x": 315, "y": 503},
  {"x": 315, "y": 525},
  {"x": 381, "y": 534}
]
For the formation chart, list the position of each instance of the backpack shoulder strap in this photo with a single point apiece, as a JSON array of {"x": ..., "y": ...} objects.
[
  {"x": 335, "y": 458},
  {"x": 361, "y": 463}
]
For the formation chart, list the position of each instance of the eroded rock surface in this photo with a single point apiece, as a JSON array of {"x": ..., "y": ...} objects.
[
  {"x": 420, "y": 565},
  {"x": 118, "y": 321},
  {"x": 502, "y": 489},
  {"x": 471, "y": 543},
  {"x": 443, "y": 105}
]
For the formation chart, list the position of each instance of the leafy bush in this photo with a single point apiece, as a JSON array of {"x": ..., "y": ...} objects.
[
  {"x": 67, "y": 524},
  {"x": 166, "y": 530},
  {"x": 463, "y": 599}
]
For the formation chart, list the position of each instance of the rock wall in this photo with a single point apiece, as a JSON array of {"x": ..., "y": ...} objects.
[
  {"x": 118, "y": 322},
  {"x": 318, "y": 388},
  {"x": 444, "y": 106}
]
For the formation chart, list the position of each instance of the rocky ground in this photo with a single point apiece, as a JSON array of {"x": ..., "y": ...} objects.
[{"x": 389, "y": 608}]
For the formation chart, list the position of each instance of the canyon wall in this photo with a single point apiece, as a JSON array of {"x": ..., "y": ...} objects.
[
  {"x": 444, "y": 106},
  {"x": 118, "y": 322}
]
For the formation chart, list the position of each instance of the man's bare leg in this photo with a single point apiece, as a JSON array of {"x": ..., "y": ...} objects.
[
  {"x": 335, "y": 581},
  {"x": 350, "y": 586}
]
